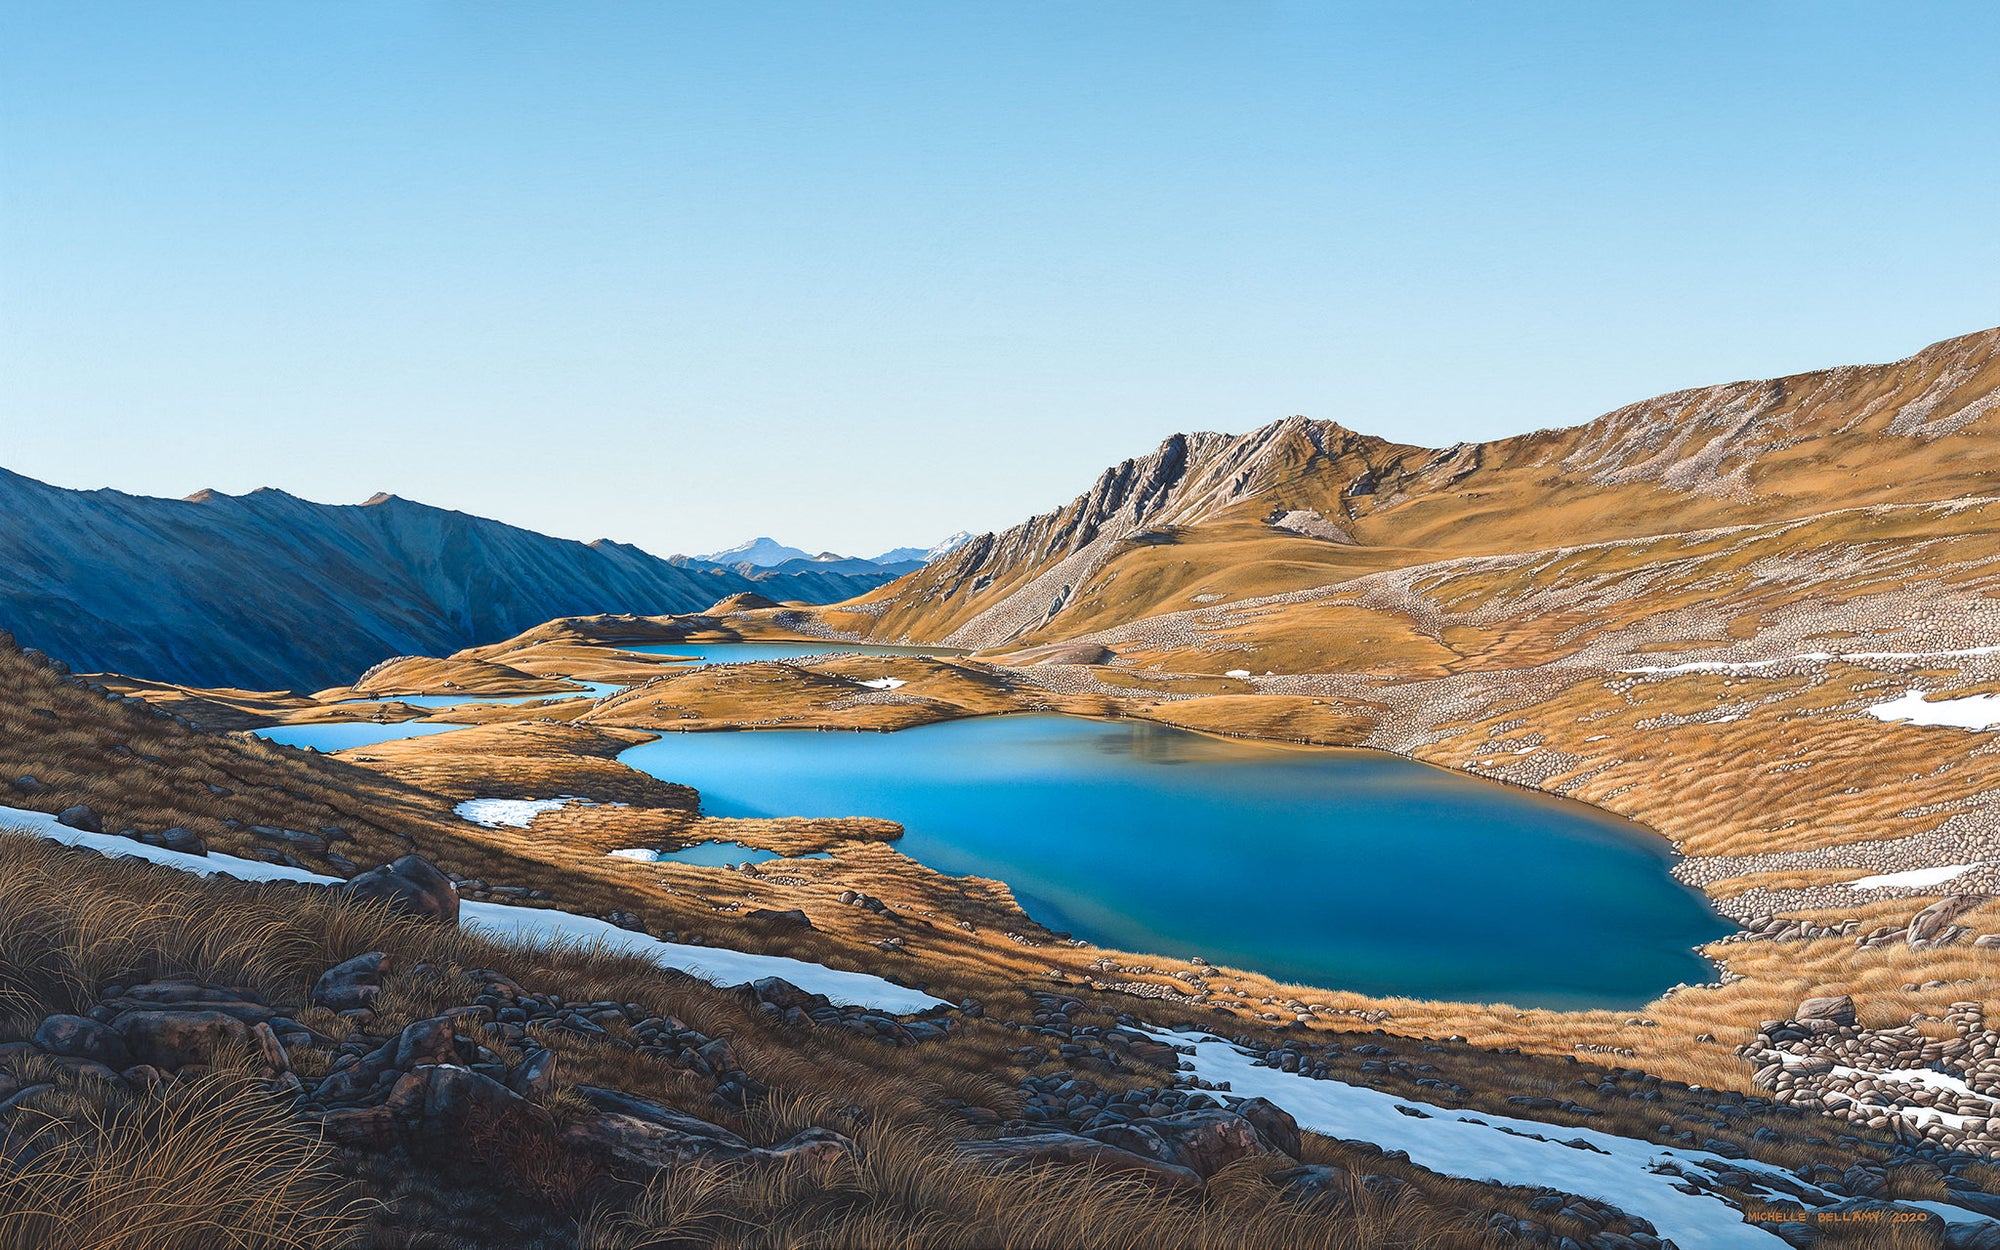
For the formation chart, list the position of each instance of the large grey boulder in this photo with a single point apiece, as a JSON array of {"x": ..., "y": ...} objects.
[{"x": 412, "y": 885}]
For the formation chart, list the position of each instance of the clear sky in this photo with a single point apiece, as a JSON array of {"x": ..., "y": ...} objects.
[{"x": 857, "y": 275}]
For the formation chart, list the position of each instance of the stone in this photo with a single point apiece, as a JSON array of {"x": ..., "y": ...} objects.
[
  {"x": 444, "y": 1102},
  {"x": 171, "y": 1039},
  {"x": 1321, "y": 1187},
  {"x": 1980, "y": 1235},
  {"x": 793, "y": 919},
  {"x": 1273, "y": 1123},
  {"x": 425, "y": 1042},
  {"x": 535, "y": 1075},
  {"x": 269, "y": 1048},
  {"x": 28, "y": 784},
  {"x": 186, "y": 841},
  {"x": 1203, "y": 1142},
  {"x": 1075, "y": 1150},
  {"x": 1837, "y": 1011},
  {"x": 781, "y": 994},
  {"x": 84, "y": 1039},
  {"x": 80, "y": 817},
  {"x": 352, "y": 983},
  {"x": 1930, "y": 924},
  {"x": 412, "y": 885}
]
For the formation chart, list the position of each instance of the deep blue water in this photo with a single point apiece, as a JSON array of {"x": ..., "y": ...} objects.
[
  {"x": 744, "y": 652},
  {"x": 1346, "y": 869},
  {"x": 591, "y": 690},
  {"x": 349, "y": 734}
]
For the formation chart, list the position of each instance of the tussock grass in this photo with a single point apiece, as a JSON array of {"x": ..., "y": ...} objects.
[
  {"x": 908, "y": 1191},
  {"x": 198, "y": 1165}
]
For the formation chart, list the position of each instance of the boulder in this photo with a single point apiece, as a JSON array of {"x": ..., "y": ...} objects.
[
  {"x": 1837, "y": 1011},
  {"x": 1318, "y": 1186},
  {"x": 28, "y": 784},
  {"x": 172, "y": 1039},
  {"x": 535, "y": 1075},
  {"x": 782, "y": 994},
  {"x": 447, "y": 1103},
  {"x": 1932, "y": 923},
  {"x": 80, "y": 817},
  {"x": 793, "y": 919},
  {"x": 1979, "y": 1235},
  {"x": 411, "y": 884},
  {"x": 351, "y": 984},
  {"x": 1203, "y": 1142},
  {"x": 1075, "y": 1150},
  {"x": 425, "y": 1042},
  {"x": 1273, "y": 1123},
  {"x": 186, "y": 841},
  {"x": 83, "y": 1038},
  {"x": 613, "y": 1102}
]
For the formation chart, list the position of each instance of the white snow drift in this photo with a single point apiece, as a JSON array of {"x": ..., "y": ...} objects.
[{"x": 528, "y": 924}]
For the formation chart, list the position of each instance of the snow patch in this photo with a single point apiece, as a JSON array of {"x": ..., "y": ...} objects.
[
  {"x": 885, "y": 683},
  {"x": 715, "y": 964},
  {"x": 1912, "y": 878},
  {"x": 513, "y": 813},
  {"x": 1809, "y": 657},
  {"x": 1635, "y": 1176},
  {"x": 1974, "y": 711}
]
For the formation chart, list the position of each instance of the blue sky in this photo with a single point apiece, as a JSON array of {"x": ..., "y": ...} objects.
[{"x": 858, "y": 275}]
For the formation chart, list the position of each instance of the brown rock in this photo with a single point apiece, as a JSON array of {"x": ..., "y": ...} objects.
[
  {"x": 351, "y": 984},
  {"x": 412, "y": 885},
  {"x": 173, "y": 1039},
  {"x": 1836, "y": 1010}
]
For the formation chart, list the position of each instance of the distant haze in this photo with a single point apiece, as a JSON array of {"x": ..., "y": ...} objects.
[{"x": 863, "y": 275}]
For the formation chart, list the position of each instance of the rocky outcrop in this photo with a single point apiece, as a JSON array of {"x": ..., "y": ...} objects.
[
  {"x": 998, "y": 587},
  {"x": 1898, "y": 1079}
]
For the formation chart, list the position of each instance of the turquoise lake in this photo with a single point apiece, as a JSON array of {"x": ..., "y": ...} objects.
[
  {"x": 346, "y": 735},
  {"x": 1345, "y": 869},
  {"x": 745, "y": 652}
]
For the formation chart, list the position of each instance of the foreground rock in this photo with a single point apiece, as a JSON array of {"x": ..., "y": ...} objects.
[{"x": 412, "y": 885}]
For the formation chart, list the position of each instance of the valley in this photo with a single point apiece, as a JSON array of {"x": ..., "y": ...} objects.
[{"x": 1629, "y": 784}]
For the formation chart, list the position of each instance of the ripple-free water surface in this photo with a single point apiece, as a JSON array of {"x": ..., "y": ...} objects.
[
  {"x": 1347, "y": 869},
  {"x": 745, "y": 652}
]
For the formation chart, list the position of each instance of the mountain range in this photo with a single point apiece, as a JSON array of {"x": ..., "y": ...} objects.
[
  {"x": 271, "y": 591},
  {"x": 769, "y": 553},
  {"x": 1299, "y": 503}
]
